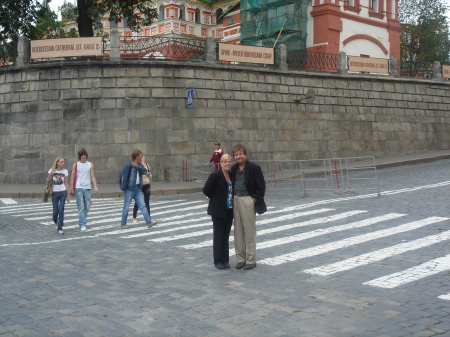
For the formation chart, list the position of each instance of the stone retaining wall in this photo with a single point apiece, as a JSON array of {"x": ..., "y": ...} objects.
[{"x": 111, "y": 108}]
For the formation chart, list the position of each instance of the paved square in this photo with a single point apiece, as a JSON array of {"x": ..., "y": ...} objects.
[{"x": 331, "y": 264}]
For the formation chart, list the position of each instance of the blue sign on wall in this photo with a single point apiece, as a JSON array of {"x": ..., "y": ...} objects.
[{"x": 190, "y": 98}]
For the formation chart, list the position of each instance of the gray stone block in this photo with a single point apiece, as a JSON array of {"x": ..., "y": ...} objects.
[
  {"x": 95, "y": 72},
  {"x": 138, "y": 92},
  {"x": 137, "y": 72},
  {"x": 150, "y": 82},
  {"x": 29, "y": 96},
  {"x": 20, "y": 86},
  {"x": 50, "y": 95},
  {"x": 162, "y": 92},
  {"x": 69, "y": 73},
  {"x": 34, "y": 109},
  {"x": 5, "y": 88},
  {"x": 50, "y": 74},
  {"x": 129, "y": 82},
  {"x": 114, "y": 93},
  {"x": 62, "y": 84}
]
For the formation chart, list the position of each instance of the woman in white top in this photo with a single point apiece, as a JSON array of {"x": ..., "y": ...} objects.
[
  {"x": 82, "y": 177},
  {"x": 59, "y": 175}
]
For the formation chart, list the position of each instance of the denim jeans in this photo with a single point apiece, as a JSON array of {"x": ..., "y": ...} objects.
[
  {"x": 59, "y": 201},
  {"x": 136, "y": 194},
  {"x": 146, "y": 193},
  {"x": 83, "y": 197}
]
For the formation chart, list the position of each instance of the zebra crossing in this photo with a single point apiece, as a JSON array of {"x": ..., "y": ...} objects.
[{"x": 183, "y": 223}]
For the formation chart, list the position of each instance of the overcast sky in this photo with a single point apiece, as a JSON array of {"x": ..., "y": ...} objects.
[{"x": 54, "y": 4}]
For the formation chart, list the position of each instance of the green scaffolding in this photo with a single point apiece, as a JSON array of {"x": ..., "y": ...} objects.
[{"x": 269, "y": 23}]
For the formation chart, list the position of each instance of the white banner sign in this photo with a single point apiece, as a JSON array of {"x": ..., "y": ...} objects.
[
  {"x": 241, "y": 53},
  {"x": 81, "y": 46}
]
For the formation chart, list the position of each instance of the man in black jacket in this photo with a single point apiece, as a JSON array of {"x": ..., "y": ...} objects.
[{"x": 249, "y": 188}]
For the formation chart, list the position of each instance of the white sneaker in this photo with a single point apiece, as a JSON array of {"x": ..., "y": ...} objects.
[
  {"x": 83, "y": 228},
  {"x": 61, "y": 231},
  {"x": 134, "y": 220}
]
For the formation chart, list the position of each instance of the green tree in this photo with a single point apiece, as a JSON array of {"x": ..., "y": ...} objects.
[
  {"x": 424, "y": 34},
  {"x": 47, "y": 26},
  {"x": 18, "y": 18},
  {"x": 91, "y": 11},
  {"x": 68, "y": 11},
  {"x": 28, "y": 18}
]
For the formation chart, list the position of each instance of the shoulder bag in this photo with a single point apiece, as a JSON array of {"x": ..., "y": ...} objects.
[{"x": 48, "y": 191}]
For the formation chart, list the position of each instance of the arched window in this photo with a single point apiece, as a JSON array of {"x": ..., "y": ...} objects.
[
  {"x": 197, "y": 16},
  {"x": 219, "y": 19},
  {"x": 162, "y": 14},
  {"x": 375, "y": 6},
  {"x": 182, "y": 11},
  {"x": 126, "y": 23}
]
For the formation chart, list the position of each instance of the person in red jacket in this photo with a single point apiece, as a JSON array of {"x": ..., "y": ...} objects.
[{"x": 217, "y": 154}]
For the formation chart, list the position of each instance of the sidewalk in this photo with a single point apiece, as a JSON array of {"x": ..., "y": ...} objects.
[{"x": 113, "y": 191}]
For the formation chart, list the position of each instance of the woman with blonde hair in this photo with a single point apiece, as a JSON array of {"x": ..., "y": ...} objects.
[
  {"x": 218, "y": 189},
  {"x": 59, "y": 175}
]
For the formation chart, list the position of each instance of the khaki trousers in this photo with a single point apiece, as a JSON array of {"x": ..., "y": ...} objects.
[{"x": 245, "y": 229}]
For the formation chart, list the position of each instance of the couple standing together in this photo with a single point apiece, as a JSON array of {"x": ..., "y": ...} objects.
[
  {"x": 80, "y": 187},
  {"x": 235, "y": 191}
]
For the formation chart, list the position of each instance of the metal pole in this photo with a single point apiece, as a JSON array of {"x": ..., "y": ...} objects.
[{"x": 336, "y": 173}]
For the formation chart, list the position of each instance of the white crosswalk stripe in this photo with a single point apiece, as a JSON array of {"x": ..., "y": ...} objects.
[
  {"x": 378, "y": 255},
  {"x": 8, "y": 201},
  {"x": 328, "y": 247},
  {"x": 185, "y": 223},
  {"x": 286, "y": 227},
  {"x": 412, "y": 274},
  {"x": 445, "y": 297}
]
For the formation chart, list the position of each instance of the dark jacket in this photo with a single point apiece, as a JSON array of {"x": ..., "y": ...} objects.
[
  {"x": 126, "y": 175},
  {"x": 216, "y": 189},
  {"x": 254, "y": 182}
]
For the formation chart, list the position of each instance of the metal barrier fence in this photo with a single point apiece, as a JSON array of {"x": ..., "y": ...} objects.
[
  {"x": 186, "y": 170},
  {"x": 332, "y": 174},
  {"x": 193, "y": 49},
  {"x": 8, "y": 53},
  {"x": 415, "y": 69},
  {"x": 311, "y": 60},
  {"x": 162, "y": 48}
]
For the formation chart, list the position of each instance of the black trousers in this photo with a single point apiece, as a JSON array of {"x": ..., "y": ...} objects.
[
  {"x": 221, "y": 236},
  {"x": 146, "y": 193}
]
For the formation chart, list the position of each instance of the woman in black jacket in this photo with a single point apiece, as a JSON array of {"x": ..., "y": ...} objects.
[{"x": 219, "y": 190}]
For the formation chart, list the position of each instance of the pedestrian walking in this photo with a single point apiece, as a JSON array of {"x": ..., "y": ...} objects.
[
  {"x": 145, "y": 190},
  {"x": 249, "y": 188},
  {"x": 217, "y": 154},
  {"x": 131, "y": 184},
  {"x": 81, "y": 181},
  {"x": 219, "y": 190},
  {"x": 60, "y": 176}
]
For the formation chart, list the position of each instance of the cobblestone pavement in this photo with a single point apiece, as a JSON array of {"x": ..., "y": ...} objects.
[{"x": 330, "y": 264}]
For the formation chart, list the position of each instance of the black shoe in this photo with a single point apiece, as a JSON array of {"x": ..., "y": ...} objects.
[
  {"x": 220, "y": 266},
  {"x": 227, "y": 265}
]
